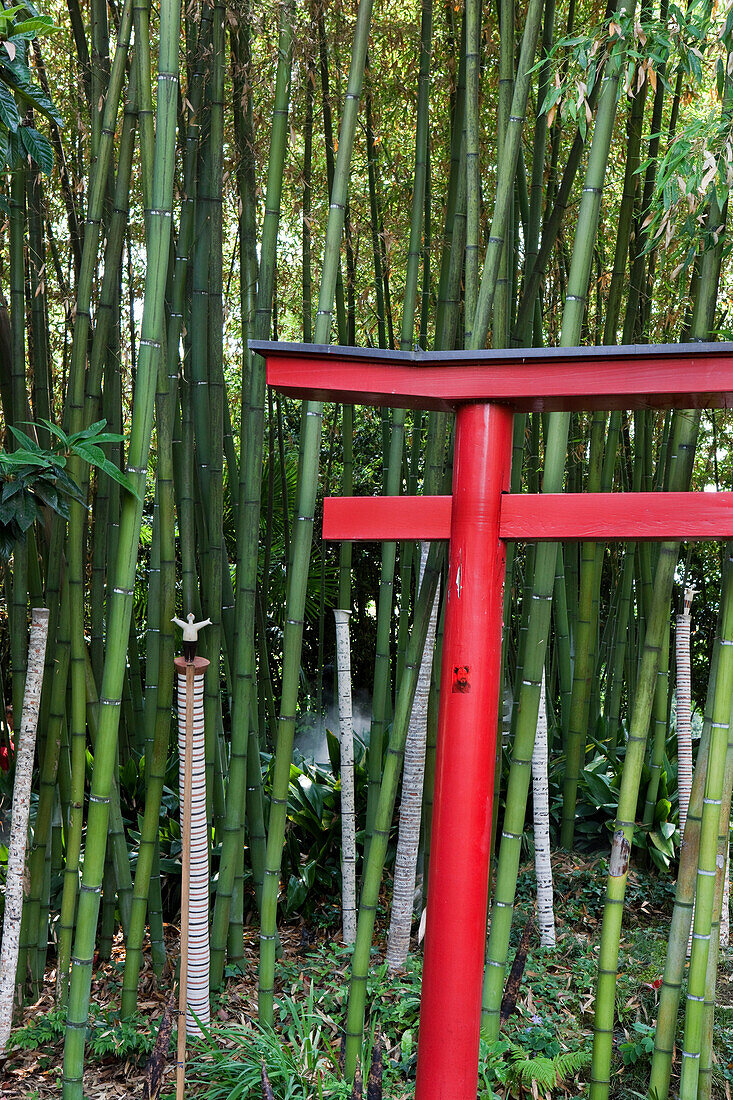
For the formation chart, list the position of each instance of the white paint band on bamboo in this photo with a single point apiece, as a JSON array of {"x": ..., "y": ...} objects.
[{"x": 197, "y": 960}]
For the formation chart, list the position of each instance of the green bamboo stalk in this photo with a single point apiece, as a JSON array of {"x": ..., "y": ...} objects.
[
  {"x": 621, "y": 632},
  {"x": 117, "y": 849},
  {"x": 393, "y": 475},
  {"x": 498, "y": 233},
  {"x": 37, "y": 305},
  {"x": 455, "y": 213},
  {"x": 107, "y": 499},
  {"x": 383, "y": 821},
  {"x": 124, "y": 572},
  {"x": 681, "y": 922},
  {"x": 78, "y": 743},
  {"x": 626, "y": 212},
  {"x": 708, "y": 850},
  {"x": 562, "y": 641},
  {"x": 623, "y": 832},
  {"x": 407, "y": 550},
  {"x": 310, "y": 81},
  {"x": 659, "y": 740},
  {"x": 505, "y": 92},
  {"x": 303, "y": 528},
  {"x": 544, "y": 574},
  {"x": 141, "y": 23},
  {"x": 99, "y": 69},
  {"x": 640, "y": 260},
  {"x": 473, "y": 180},
  {"x": 75, "y": 417},
  {"x": 20, "y": 414},
  {"x": 585, "y": 630},
  {"x": 252, "y": 434},
  {"x": 156, "y": 752},
  {"x": 681, "y": 455},
  {"x": 417, "y": 215},
  {"x": 704, "y": 1087},
  {"x": 347, "y": 489},
  {"x": 107, "y": 922},
  {"x": 553, "y": 219},
  {"x": 539, "y": 143},
  {"x": 159, "y": 665},
  {"x": 209, "y": 196},
  {"x": 41, "y": 944}
]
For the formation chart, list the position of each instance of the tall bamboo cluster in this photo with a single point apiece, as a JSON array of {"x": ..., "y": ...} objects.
[{"x": 454, "y": 177}]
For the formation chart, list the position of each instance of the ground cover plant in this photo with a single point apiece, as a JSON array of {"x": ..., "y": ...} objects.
[{"x": 544, "y": 1047}]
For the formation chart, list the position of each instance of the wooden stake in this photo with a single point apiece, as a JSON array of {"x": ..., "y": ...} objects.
[{"x": 185, "y": 877}]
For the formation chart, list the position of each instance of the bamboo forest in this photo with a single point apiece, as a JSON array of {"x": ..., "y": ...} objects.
[{"x": 395, "y": 799}]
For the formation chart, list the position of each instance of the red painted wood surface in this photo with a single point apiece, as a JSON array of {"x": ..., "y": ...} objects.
[
  {"x": 455, "y": 936},
  {"x": 529, "y": 516},
  {"x": 365, "y": 519},
  {"x": 602, "y": 516},
  {"x": 684, "y": 376}
]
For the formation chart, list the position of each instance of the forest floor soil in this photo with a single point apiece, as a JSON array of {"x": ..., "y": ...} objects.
[{"x": 554, "y": 1006}]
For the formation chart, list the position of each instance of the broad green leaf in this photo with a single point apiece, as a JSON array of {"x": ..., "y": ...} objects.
[
  {"x": 31, "y": 28},
  {"x": 8, "y": 108},
  {"x": 69, "y": 486},
  {"x": 55, "y": 430},
  {"x": 28, "y": 443},
  {"x": 90, "y": 455},
  {"x": 35, "y": 97},
  {"x": 26, "y": 511},
  {"x": 89, "y": 452},
  {"x": 17, "y": 67},
  {"x": 88, "y": 432},
  {"x": 39, "y": 147}
]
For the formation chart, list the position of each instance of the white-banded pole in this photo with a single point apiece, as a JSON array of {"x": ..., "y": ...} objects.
[
  {"x": 404, "y": 891},
  {"x": 683, "y": 709},
  {"x": 193, "y": 992},
  {"x": 25, "y": 750},
  {"x": 348, "y": 805},
  {"x": 541, "y": 805}
]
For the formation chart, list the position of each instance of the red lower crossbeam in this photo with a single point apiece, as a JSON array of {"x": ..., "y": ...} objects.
[{"x": 539, "y": 517}]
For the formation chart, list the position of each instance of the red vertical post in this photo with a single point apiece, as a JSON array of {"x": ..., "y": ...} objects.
[{"x": 450, "y": 1014}]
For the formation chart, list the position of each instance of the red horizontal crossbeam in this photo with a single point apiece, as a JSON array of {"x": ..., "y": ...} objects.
[
  {"x": 371, "y": 519},
  {"x": 601, "y": 516},
  {"x": 665, "y": 376},
  {"x": 539, "y": 517}
]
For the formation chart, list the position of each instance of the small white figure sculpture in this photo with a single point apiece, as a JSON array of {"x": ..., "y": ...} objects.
[{"x": 190, "y": 634}]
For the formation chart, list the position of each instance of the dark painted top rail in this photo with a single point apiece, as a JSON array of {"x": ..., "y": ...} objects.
[{"x": 635, "y": 376}]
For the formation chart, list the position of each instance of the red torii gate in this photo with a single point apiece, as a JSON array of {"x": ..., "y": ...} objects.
[{"x": 485, "y": 389}]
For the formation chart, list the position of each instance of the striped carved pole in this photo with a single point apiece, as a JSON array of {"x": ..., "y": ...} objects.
[
  {"x": 194, "y": 973},
  {"x": 684, "y": 707}
]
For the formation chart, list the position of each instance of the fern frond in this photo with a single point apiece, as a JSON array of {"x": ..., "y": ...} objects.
[
  {"x": 541, "y": 1074},
  {"x": 571, "y": 1062}
]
